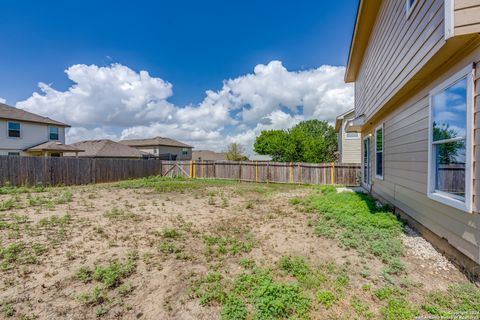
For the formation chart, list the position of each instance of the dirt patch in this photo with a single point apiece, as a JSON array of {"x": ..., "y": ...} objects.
[{"x": 172, "y": 239}]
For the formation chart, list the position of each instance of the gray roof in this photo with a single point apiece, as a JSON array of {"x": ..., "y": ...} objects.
[
  {"x": 12, "y": 113},
  {"x": 157, "y": 141},
  {"x": 54, "y": 146},
  {"x": 208, "y": 155},
  {"x": 341, "y": 117},
  {"x": 107, "y": 149}
]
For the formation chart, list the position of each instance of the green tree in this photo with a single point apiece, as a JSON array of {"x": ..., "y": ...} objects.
[
  {"x": 274, "y": 143},
  {"x": 449, "y": 152},
  {"x": 312, "y": 141},
  {"x": 236, "y": 152}
]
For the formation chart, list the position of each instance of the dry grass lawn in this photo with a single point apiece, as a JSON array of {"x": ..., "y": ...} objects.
[{"x": 182, "y": 249}]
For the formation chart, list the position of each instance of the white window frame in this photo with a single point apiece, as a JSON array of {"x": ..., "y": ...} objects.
[
  {"x": 444, "y": 197},
  {"x": 369, "y": 165},
  {"x": 8, "y": 129},
  {"x": 409, "y": 7},
  {"x": 377, "y": 176}
]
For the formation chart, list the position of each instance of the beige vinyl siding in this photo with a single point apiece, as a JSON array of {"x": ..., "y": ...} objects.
[
  {"x": 406, "y": 166},
  {"x": 350, "y": 149},
  {"x": 167, "y": 149},
  {"x": 466, "y": 17},
  {"x": 397, "y": 49},
  {"x": 32, "y": 134}
]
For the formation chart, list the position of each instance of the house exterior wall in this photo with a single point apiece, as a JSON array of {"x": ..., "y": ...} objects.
[
  {"x": 350, "y": 149},
  {"x": 399, "y": 45},
  {"x": 404, "y": 184},
  {"x": 166, "y": 149},
  {"x": 466, "y": 16},
  {"x": 31, "y": 134}
]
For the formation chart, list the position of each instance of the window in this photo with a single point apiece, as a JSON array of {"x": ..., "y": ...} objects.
[
  {"x": 14, "y": 129},
  {"x": 379, "y": 152},
  {"x": 366, "y": 161},
  {"x": 450, "y": 152},
  {"x": 185, "y": 151},
  {"x": 410, "y": 5},
  {"x": 14, "y": 153},
  {"x": 352, "y": 135},
  {"x": 53, "y": 133}
]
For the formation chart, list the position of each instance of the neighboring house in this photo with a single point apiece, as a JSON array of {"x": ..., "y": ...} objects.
[
  {"x": 163, "y": 148},
  {"x": 107, "y": 149},
  {"x": 349, "y": 143},
  {"x": 27, "y": 134},
  {"x": 415, "y": 65},
  {"x": 208, "y": 155}
]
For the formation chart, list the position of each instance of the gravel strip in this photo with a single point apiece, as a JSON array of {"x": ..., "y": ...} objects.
[{"x": 417, "y": 246}]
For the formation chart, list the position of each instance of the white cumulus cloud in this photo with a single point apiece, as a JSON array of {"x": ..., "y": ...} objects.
[
  {"x": 117, "y": 102},
  {"x": 2, "y": 100}
]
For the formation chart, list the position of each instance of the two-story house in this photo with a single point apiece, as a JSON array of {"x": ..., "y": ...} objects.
[
  {"x": 349, "y": 143},
  {"x": 162, "y": 148},
  {"x": 24, "y": 133},
  {"x": 416, "y": 69}
]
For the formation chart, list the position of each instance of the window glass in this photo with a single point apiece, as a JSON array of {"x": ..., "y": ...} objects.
[
  {"x": 450, "y": 112},
  {"x": 352, "y": 135},
  {"x": 449, "y": 127},
  {"x": 184, "y": 151},
  {"x": 450, "y": 168},
  {"x": 366, "y": 161},
  {"x": 14, "y": 153},
  {"x": 54, "y": 133},
  {"x": 14, "y": 129},
  {"x": 379, "y": 152}
]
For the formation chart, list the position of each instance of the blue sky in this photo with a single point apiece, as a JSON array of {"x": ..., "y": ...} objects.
[{"x": 192, "y": 45}]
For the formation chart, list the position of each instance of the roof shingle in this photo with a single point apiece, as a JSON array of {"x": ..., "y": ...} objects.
[
  {"x": 157, "y": 141},
  {"x": 107, "y": 149},
  {"x": 8, "y": 112}
]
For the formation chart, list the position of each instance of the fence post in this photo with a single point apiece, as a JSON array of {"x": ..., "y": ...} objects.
[
  {"x": 256, "y": 171},
  {"x": 299, "y": 174},
  {"x": 291, "y": 172},
  {"x": 240, "y": 171},
  {"x": 332, "y": 173},
  {"x": 268, "y": 172}
]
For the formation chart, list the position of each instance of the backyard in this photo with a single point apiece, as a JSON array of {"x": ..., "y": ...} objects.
[{"x": 160, "y": 248}]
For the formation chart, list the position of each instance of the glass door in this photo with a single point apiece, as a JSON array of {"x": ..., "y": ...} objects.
[{"x": 366, "y": 161}]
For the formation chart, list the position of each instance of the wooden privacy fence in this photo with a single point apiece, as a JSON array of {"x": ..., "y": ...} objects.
[
  {"x": 19, "y": 171},
  {"x": 261, "y": 171}
]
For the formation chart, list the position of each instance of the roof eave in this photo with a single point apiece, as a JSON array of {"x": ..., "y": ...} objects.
[
  {"x": 365, "y": 20},
  {"x": 56, "y": 123}
]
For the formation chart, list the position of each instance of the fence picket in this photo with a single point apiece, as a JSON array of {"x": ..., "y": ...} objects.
[{"x": 17, "y": 171}]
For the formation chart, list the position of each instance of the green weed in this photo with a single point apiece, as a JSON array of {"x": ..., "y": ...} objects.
[
  {"x": 177, "y": 184},
  {"x": 327, "y": 298},
  {"x": 222, "y": 245},
  {"x": 356, "y": 221},
  {"x": 459, "y": 298},
  {"x": 399, "y": 309}
]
